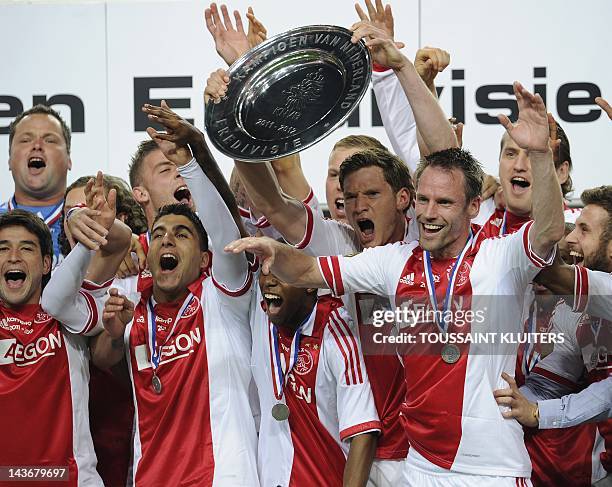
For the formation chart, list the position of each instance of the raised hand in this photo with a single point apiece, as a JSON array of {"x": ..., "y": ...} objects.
[
  {"x": 383, "y": 49},
  {"x": 604, "y": 105},
  {"x": 174, "y": 142},
  {"x": 257, "y": 32},
  {"x": 128, "y": 267},
  {"x": 216, "y": 86},
  {"x": 231, "y": 43},
  {"x": 262, "y": 247},
  {"x": 531, "y": 131},
  {"x": 96, "y": 199},
  {"x": 90, "y": 225},
  {"x": 524, "y": 411},
  {"x": 379, "y": 16},
  {"x": 429, "y": 61},
  {"x": 118, "y": 312}
]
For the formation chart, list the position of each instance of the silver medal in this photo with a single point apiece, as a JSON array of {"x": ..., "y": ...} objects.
[
  {"x": 280, "y": 412},
  {"x": 157, "y": 385},
  {"x": 450, "y": 353}
]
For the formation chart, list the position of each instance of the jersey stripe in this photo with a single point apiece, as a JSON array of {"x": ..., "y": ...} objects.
[
  {"x": 93, "y": 312},
  {"x": 554, "y": 377},
  {"x": 334, "y": 333},
  {"x": 337, "y": 275},
  {"x": 309, "y": 226},
  {"x": 352, "y": 344},
  {"x": 359, "y": 429},
  {"x": 533, "y": 257},
  {"x": 239, "y": 292}
]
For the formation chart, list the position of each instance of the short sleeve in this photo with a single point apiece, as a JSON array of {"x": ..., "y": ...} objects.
[
  {"x": 375, "y": 270},
  {"x": 355, "y": 402},
  {"x": 593, "y": 292}
]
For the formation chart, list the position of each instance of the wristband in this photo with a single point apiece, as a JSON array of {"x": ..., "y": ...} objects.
[
  {"x": 379, "y": 68},
  {"x": 72, "y": 210}
]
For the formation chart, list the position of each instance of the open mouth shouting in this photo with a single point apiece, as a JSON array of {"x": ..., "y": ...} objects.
[
  {"x": 14, "y": 278},
  {"x": 168, "y": 262},
  {"x": 183, "y": 195},
  {"x": 520, "y": 185},
  {"x": 273, "y": 302},
  {"x": 36, "y": 164},
  {"x": 366, "y": 230},
  {"x": 339, "y": 205}
]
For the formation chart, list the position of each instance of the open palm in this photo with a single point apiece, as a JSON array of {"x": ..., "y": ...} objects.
[{"x": 531, "y": 130}]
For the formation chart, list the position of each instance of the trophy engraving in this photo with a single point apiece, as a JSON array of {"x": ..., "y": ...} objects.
[
  {"x": 288, "y": 93},
  {"x": 300, "y": 95}
]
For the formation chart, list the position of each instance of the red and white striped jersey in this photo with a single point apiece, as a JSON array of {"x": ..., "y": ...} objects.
[
  {"x": 327, "y": 392},
  {"x": 450, "y": 415},
  {"x": 44, "y": 375},
  {"x": 572, "y": 364},
  {"x": 593, "y": 292},
  {"x": 199, "y": 430},
  {"x": 330, "y": 237}
]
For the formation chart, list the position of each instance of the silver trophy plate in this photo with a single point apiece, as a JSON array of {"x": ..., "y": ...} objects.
[{"x": 288, "y": 93}]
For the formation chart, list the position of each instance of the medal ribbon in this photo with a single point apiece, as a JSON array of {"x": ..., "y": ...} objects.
[
  {"x": 280, "y": 377},
  {"x": 530, "y": 356},
  {"x": 154, "y": 350},
  {"x": 50, "y": 219},
  {"x": 595, "y": 329},
  {"x": 502, "y": 228},
  {"x": 431, "y": 286}
]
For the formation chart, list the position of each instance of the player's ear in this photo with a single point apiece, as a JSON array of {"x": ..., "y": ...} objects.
[
  {"x": 46, "y": 264},
  {"x": 205, "y": 260},
  {"x": 141, "y": 195}
]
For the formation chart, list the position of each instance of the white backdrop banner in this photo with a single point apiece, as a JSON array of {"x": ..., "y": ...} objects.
[{"x": 97, "y": 63}]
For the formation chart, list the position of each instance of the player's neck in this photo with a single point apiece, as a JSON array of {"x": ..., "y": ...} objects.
[
  {"x": 453, "y": 249},
  {"x": 26, "y": 199},
  {"x": 399, "y": 231},
  {"x": 301, "y": 314},
  {"x": 32, "y": 300},
  {"x": 518, "y": 213},
  {"x": 162, "y": 296}
]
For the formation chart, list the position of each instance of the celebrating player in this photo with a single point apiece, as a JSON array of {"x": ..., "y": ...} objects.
[{"x": 450, "y": 388}]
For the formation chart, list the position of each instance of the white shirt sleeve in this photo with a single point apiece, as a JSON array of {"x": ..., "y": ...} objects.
[
  {"x": 564, "y": 365},
  {"x": 230, "y": 272},
  {"x": 355, "y": 402},
  {"x": 72, "y": 300},
  {"x": 513, "y": 253},
  {"x": 375, "y": 270},
  {"x": 323, "y": 236},
  {"x": 593, "y": 292},
  {"x": 397, "y": 117}
]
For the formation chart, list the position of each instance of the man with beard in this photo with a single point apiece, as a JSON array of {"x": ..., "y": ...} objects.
[
  {"x": 39, "y": 160},
  {"x": 185, "y": 342},
  {"x": 316, "y": 403},
  {"x": 456, "y": 432},
  {"x": 583, "y": 355}
]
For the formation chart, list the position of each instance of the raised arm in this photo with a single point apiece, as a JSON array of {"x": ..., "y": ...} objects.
[
  {"x": 531, "y": 132},
  {"x": 431, "y": 121},
  {"x": 230, "y": 271},
  {"x": 284, "y": 211},
  {"x": 102, "y": 244},
  {"x": 285, "y": 262}
]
